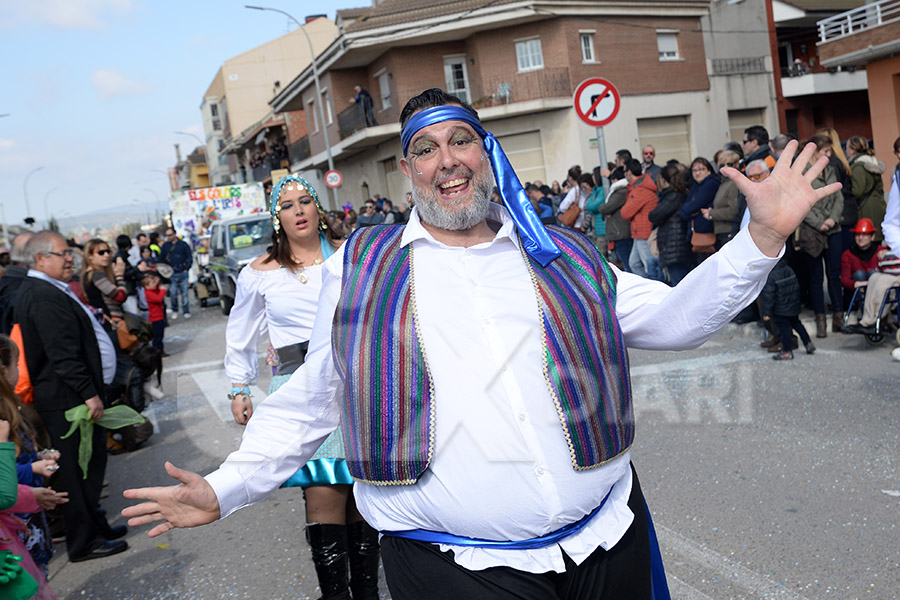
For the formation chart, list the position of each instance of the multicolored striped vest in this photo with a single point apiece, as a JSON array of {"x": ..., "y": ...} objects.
[{"x": 388, "y": 417}]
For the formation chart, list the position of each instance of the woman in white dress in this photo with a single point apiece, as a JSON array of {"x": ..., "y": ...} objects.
[{"x": 278, "y": 294}]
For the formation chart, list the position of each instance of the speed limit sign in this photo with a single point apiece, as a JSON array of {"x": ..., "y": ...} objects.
[{"x": 333, "y": 178}]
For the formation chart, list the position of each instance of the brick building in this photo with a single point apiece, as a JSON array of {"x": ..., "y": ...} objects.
[
  {"x": 518, "y": 63},
  {"x": 870, "y": 35}
]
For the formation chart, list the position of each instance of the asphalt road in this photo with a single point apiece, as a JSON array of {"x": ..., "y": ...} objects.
[{"x": 766, "y": 480}]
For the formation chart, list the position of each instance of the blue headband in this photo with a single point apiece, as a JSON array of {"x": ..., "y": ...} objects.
[{"x": 534, "y": 235}]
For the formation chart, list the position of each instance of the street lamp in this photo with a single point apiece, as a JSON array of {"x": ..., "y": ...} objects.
[
  {"x": 47, "y": 212},
  {"x": 25, "y": 193},
  {"x": 319, "y": 100},
  {"x": 195, "y": 136}
]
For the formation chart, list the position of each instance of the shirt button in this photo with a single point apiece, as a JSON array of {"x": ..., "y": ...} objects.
[
  {"x": 486, "y": 321},
  {"x": 729, "y": 302},
  {"x": 522, "y": 417},
  {"x": 554, "y": 520},
  {"x": 752, "y": 268},
  {"x": 539, "y": 470}
]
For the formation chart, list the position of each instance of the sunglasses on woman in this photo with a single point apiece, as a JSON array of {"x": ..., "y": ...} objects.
[
  {"x": 102, "y": 252},
  {"x": 731, "y": 164}
]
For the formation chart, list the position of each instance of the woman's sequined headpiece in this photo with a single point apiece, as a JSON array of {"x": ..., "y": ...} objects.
[{"x": 286, "y": 183}]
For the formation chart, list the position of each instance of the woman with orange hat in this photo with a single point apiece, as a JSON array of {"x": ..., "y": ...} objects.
[{"x": 861, "y": 260}]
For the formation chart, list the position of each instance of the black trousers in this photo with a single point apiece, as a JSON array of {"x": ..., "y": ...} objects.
[
  {"x": 84, "y": 526},
  {"x": 785, "y": 324},
  {"x": 416, "y": 570}
]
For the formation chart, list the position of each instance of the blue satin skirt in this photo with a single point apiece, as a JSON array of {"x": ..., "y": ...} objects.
[{"x": 328, "y": 465}]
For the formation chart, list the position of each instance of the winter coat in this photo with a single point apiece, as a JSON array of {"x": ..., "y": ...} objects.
[
  {"x": 763, "y": 153},
  {"x": 781, "y": 294},
  {"x": 700, "y": 196},
  {"x": 829, "y": 207},
  {"x": 617, "y": 228},
  {"x": 641, "y": 200},
  {"x": 725, "y": 206},
  {"x": 850, "y": 214},
  {"x": 592, "y": 205},
  {"x": 671, "y": 239},
  {"x": 868, "y": 188}
]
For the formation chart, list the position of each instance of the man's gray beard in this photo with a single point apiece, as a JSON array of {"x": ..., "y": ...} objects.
[{"x": 458, "y": 219}]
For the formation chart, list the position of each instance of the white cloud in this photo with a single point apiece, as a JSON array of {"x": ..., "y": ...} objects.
[
  {"x": 111, "y": 84},
  {"x": 63, "y": 14},
  {"x": 6, "y": 144}
]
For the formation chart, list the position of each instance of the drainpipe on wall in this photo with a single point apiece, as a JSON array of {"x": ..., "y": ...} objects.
[{"x": 776, "y": 69}]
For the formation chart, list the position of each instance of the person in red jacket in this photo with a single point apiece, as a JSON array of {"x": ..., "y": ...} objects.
[
  {"x": 156, "y": 295},
  {"x": 641, "y": 200},
  {"x": 861, "y": 260}
]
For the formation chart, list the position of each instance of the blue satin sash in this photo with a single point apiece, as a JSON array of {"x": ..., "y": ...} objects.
[{"x": 437, "y": 537}]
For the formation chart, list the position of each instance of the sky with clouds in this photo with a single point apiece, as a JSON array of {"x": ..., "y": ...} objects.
[{"x": 93, "y": 91}]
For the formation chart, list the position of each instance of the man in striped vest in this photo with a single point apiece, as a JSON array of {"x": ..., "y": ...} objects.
[{"x": 477, "y": 364}]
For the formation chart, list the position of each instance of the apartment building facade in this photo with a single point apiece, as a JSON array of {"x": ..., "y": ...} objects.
[
  {"x": 518, "y": 63},
  {"x": 236, "y": 100}
]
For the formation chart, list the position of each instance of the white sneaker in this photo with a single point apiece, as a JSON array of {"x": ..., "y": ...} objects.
[
  {"x": 187, "y": 315},
  {"x": 173, "y": 316}
]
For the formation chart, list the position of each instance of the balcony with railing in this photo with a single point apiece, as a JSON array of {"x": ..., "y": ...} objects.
[
  {"x": 498, "y": 90},
  {"x": 865, "y": 33},
  {"x": 299, "y": 150}
]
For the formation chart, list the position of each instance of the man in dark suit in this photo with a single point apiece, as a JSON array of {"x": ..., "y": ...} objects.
[{"x": 70, "y": 359}]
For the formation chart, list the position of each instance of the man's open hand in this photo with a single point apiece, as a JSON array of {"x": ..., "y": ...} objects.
[
  {"x": 778, "y": 204},
  {"x": 188, "y": 504}
]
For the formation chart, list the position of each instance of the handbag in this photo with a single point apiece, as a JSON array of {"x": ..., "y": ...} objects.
[
  {"x": 127, "y": 340},
  {"x": 810, "y": 240},
  {"x": 653, "y": 240},
  {"x": 702, "y": 243},
  {"x": 569, "y": 217}
]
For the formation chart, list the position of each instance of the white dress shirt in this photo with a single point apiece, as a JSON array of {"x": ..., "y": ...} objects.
[
  {"x": 107, "y": 350},
  {"x": 890, "y": 226},
  {"x": 501, "y": 468},
  {"x": 274, "y": 302}
]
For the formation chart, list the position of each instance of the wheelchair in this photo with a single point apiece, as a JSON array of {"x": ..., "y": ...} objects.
[{"x": 883, "y": 325}]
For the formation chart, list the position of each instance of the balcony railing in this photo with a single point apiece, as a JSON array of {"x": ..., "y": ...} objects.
[
  {"x": 858, "y": 19},
  {"x": 521, "y": 87},
  {"x": 299, "y": 150},
  {"x": 351, "y": 120},
  {"x": 738, "y": 66}
]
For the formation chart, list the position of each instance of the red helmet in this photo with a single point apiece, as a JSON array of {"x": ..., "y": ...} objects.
[{"x": 864, "y": 226}]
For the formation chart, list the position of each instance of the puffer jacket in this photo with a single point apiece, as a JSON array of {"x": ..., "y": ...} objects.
[
  {"x": 781, "y": 294},
  {"x": 865, "y": 180},
  {"x": 641, "y": 200},
  {"x": 617, "y": 228},
  {"x": 674, "y": 247}
]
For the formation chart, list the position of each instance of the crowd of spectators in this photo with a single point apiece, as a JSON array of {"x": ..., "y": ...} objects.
[
  {"x": 662, "y": 220},
  {"x": 74, "y": 337}
]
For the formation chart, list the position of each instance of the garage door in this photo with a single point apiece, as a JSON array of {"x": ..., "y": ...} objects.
[
  {"x": 669, "y": 135},
  {"x": 525, "y": 154},
  {"x": 739, "y": 120}
]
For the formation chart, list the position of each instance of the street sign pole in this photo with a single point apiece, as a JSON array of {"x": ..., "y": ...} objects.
[
  {"x": 601, "y": 147},
  {"x": 597, "y": 103}
]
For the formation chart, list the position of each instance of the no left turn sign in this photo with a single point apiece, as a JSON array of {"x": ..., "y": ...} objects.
[
  {"x": 596, "y": 101},
  {"x": 333, "y": 178}
]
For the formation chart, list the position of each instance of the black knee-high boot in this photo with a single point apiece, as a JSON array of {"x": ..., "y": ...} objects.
[
  {"x": 329, "y": 554},
  {"x": 364, "y": 552}
]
